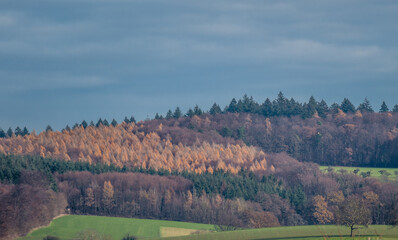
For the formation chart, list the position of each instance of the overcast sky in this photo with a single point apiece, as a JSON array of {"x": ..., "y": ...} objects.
[{"x": 65, "y": 61}]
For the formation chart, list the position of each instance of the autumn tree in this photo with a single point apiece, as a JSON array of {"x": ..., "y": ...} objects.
[
  {"x": 107, "y": 195},
  {"x": 321, "y": 212},
  {"x": 353, "y": 212}
]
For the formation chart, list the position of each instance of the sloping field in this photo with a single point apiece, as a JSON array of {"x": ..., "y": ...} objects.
[
  {"x": 68, "y": 227},
  {"x": 374, "y": 172},
  {"x": 300, "y": 233}
]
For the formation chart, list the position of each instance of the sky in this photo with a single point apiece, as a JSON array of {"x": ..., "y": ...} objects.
[{"x": 65, "y": 61}]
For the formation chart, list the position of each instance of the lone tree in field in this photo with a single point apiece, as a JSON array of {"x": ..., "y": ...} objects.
[{"x": 352, "y": 212}]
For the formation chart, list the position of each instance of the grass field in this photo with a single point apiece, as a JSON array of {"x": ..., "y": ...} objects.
[
  {"x": 68, "y": 227},
  {"x": 375, "y": 172},
  {"x": 299, "y": 233}
]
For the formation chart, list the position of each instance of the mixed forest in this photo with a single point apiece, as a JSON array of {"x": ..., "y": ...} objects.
[{"x": 246, "y": 165}]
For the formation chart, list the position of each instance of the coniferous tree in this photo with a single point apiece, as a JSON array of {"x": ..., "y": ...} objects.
[
  {"x": 346, "y": 106},
  {"x": 232, "y": 108},
  {"x": 49, "y": 128},
  {"x": 18, "y": 131},
  {"x": 25, "y": 131},
  {"x": 99, "y": 123},
  {"x": 169, "y": 114},
  {"x": 334, "y": 108},
  {"x": 395, "y": 109},
  {"x": 92, "y": 123},
  {"x": 197, "y": 110},
  {"x": 114, "y": 122},
  {"x": 132, "y": 120},
  {"x": 266, "y": 108},
  {"x": 126, "y": 120},
  {"x": 10, "y": 132},
  {"x": 215, "y": 109},
  {"x": 157, "y": 116},
  {"x": 190, "y": 113},
  {"x": 365, "y": 106},
  {"x": 177, "y": 113},
  {"x": 67, "y": 128},
  {"x": 75, "y": 126},
  {"x": 280, "y": 105},
  {"x": 84, "y": 124},
  {"x": 106, "y": 123},
  {"x": 2, "y": 133},
  {"x": 384, "y": 107},
  {"x": 322, "y": 108}
]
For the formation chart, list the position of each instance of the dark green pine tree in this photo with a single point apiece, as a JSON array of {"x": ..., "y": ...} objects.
[
  {"x": 84, "y": 124},
  {"x": 248, "y": 105},
  {"x": 18, "y": 131},
  {"x": 92, "y": 123},
  {"x": 197, "y": 111},
  {"x": 157, "y": 116},
  {"x": 99, "y": 123},
  {"x": 190, "y": 113},
  {"x": 49, "y": 128},
  {"x": 114, "y": 122},
  {"x": 215, "y": 109},
  {"x": 322, "y": 108},
  {"x": 2, "y": 133},
  {"x": 346, "y": 106},
  {"x": 169, "y": 114},
  {"x": 106, "y": 123},
  {"x": 126, "y": 120},
  {"x": 395, "y": 109},
  {"x": 334, "y": 108},
  {"x": 280, "y": 105},
  {"x": 177, "y": 113},
  {"x": 132, "y": 119},
  {"x": 67, "y": 128},
  {"x": 25, "y": 131},
  {"x": 75, "y": 126},
  {"x": 365, "y": 106},
  {"x": 266, "y": 108},
  {"x": 10, "y": 133},
  {"x": 233, "y": 108},
  {"x": 384, "y": 107}
]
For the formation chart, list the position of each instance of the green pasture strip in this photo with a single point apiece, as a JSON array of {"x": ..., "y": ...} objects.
[
  {"x": 68, "y": 227},
  {"x": 298, "y": 233},
  {"x": 374, "y": 171}
]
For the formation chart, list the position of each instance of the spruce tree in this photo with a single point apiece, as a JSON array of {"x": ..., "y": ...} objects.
[
  {"x": 169, "y": 114},
  {"x": 84, "y": 124},
  {"x": 190, "y": 113},
  {"x": 346, "y": 106},
  {"x": 126, "y": 120},
  {"x": 25, "y": 131},
  {"x": 197, "y": 110},
  {"x": 384, "y": 107},
  {"x": 215, "y": 109},
  {"x": 114, "y": 122},
  {"x": 49, "y": 128},
  {"x": 18, "y": 131},
  {"x": 10, "y": 132},
  {"x": 106, "y": 123},
  {"x": 177, "y": 113},
  {"x": 266, "y": 108},
  {"x": 395, "y": 109},
  {"x": 365, "y": 106},
  {"x": 232, "y": 108},
  {"x": 99, "y": 123},
  {"x": 2, "y": 133},
  {"x": 322, "y": 108}
]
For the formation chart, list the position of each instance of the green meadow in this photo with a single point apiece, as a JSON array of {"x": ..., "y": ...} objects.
[
  {"x": 69, "y": 227},
  {"x": 374, "y": 172}
]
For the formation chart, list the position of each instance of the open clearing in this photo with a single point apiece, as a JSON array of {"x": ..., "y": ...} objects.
[
  {"x": 299, "y": 233},
  {"x": 374, "y": 172},
  {"x": 68, "y": 227}
]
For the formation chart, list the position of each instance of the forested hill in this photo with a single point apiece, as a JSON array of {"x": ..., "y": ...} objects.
[{"x": 341, "y": 134}]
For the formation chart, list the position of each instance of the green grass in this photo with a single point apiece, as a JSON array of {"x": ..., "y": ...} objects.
[
  {"x": 68, "y": 227},
  {"x": 299, "y": 233},
  {"x": 374, "y": 171}
]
